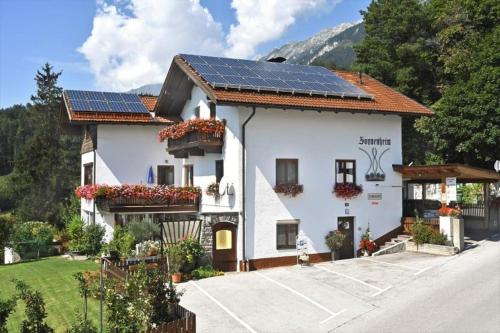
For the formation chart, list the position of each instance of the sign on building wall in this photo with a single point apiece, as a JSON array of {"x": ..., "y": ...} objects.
[
  {"x": 451, "y": 189},
  {"x": 374, "y": 148},
  {"x": 374, "y": 196}
]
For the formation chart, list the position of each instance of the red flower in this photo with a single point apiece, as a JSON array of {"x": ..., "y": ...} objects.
[
  {"x": 289, "y": 189},
  {"x": 206, "y": 126},
  {"x": 347, "y": 190},
  {"x": 160, "y": 192}
]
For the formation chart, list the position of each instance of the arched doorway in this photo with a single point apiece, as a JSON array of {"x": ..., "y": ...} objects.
[{"x": 224, "y": 246}]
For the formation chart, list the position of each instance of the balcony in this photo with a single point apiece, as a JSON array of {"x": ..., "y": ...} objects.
[
  {"x": 195, "y": 137},
  {"x": 141, "y": 198},
  {"x": 196, "y": 144}
]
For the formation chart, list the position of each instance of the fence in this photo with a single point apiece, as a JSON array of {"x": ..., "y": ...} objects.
[
  {"x": 409, "y": 221},
  {"x": 185, "y": 322},
  {"x": 473, "y": 210}
]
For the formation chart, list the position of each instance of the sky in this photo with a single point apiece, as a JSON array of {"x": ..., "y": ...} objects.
[{"x": 117, "y": 45}]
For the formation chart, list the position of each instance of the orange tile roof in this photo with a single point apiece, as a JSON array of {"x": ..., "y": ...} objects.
[
  {"x": 148, "y": 101},
  {"x": 386, "y": 100}
]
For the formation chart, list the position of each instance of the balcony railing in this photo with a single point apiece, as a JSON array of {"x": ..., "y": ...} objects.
[
  {"x": 196, "y": 144},
  {"x": 122, "y": 204}
]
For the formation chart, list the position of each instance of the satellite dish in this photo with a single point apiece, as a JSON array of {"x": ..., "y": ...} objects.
[{"x": 497, "y": 166}]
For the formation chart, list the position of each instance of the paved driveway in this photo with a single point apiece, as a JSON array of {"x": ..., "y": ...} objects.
[{"x": 318, "y": 298}]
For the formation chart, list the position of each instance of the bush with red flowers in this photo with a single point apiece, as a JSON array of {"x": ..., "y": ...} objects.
[
  {"x": 179, "y": 130},
  {"x": 158, "y": 192},
  {"x": 289, "y": 189},
  {"x": 367, "y": 244},
  {"x": 448, "y": 211},
  {"x": 347, "y": 190}
]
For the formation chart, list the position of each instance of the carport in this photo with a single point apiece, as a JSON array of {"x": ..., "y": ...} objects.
[{"x": 483, "y": 215}]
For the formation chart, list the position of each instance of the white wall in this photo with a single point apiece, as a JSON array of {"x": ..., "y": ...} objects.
[{"x": 317, "y": 140}]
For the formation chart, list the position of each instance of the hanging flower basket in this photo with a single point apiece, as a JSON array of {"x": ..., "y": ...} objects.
[
  {"x": 291, "y": 190},
  {"x": 205, "y": 126},
  {"x": 213, "y": 189},
  {"x": 347, "y": 191}
]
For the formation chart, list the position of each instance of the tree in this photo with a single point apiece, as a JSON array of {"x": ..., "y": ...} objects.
[
  {"x": 34, "y": 309},
  {"x": 46, "y": 168}
]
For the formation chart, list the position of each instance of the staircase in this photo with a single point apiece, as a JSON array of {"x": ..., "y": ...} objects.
[{"x": 395, "y": 245}]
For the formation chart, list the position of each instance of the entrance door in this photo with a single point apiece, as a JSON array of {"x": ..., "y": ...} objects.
[
  {"x": 224, "y": 246},
  {"x": 346, "y": 225}
]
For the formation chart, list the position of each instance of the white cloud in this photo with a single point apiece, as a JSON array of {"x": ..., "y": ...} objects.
[
  {"x": 135, "y": 45},
  {"x": 261, "y": 21}
]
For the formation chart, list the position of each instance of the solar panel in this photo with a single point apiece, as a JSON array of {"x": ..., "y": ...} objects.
[
  {"x": 96, "y": 101},
  {"x": 270, "y": 76}
]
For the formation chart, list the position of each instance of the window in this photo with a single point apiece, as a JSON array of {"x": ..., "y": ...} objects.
[
  {"x": 197, "y": 112},
  {"x": 188, "y": 175},
  {"x": 287, "y": 171},
  {"x": 223, "y": 240},
  {"x": 88, "y": 177},
  {"x": 165, "y": 175},
  {"x": 219, "y": 170},
  {"x": 345, "y": 171},
  {"x": 286, "y": 234},
  {"x": 213, "y": 111}
]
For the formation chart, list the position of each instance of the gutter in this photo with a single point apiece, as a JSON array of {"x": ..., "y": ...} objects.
[{"x": 243, "y": 187}]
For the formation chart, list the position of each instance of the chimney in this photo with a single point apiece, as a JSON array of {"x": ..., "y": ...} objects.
[{"x": 360, "y": 77}]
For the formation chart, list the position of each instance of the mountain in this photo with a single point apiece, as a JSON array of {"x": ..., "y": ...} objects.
[{"x": 330, "y": 47}]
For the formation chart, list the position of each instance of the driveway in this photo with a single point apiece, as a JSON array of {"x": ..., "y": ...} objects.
[{"x": 319, "y": 298}]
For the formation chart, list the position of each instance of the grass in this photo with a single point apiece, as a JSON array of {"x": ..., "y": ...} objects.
[{"x": 53, "y": 277}]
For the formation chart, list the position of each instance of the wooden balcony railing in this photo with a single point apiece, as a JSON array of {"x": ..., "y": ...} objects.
[
  {"x": 121, "y": 204},
  {"x": 195, "y": 144}
]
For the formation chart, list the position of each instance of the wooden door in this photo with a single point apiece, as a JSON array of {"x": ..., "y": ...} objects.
[
  {"x": 346, "y": 225},
  {"x": 224, "y": 246}
]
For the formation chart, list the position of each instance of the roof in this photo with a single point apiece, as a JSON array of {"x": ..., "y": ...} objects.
[
  {"x": 386, "y": 100},
  {"x": 436, "y": 173},
  {"x": 120, "y": 117}
]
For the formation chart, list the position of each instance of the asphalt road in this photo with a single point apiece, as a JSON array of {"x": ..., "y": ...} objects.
[
  {"x": 462, "y": 295},
  {"x": 402, "y": 292}
]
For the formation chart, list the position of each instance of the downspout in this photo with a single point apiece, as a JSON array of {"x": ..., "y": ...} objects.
[
  {"x": 243, "y": 188},
  {"x": 95, "y": 167}
]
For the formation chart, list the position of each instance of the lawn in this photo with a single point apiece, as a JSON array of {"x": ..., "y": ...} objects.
[{"x": 53, "y": 277}]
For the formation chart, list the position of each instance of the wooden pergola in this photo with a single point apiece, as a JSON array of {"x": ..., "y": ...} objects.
[{"x": 439, "y": 173}]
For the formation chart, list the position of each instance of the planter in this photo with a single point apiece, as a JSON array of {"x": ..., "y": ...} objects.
[
  {"x": 442, "y": 250},
  {"x": 335, "y": 255},
  {"x": 176, "y": 277}
]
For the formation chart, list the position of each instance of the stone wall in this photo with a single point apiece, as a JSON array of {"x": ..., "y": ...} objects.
[{"x": 210, "y": 220}]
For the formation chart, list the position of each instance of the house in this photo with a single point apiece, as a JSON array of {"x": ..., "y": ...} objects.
[{"x": 262, "y": 156}]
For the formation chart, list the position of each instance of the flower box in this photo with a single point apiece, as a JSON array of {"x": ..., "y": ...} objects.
[
  {"x": 205, "y": 126},
  {"x": 347, "y": 190},
  {"x": 291, "y": 190}
]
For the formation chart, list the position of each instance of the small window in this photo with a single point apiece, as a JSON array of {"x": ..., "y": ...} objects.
[
  {"x": 287, "y": 171},
  {"x": 188, "y": 175},
  {"x": 213, "y": 111},
  {"x": 165, "y": 175},
  {"x": 197, "y": 112},
  {"x": 219, "y": 170},
  {"x": 223, "y": 240},
  {"x": 345, "y": 171},
  {"x": 286, "y": 234},
  {"x": 88, "y": 177}
]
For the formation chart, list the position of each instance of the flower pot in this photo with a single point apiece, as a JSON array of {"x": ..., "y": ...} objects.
[
  {"x": 335, "y": 255},
  {"x": 152, "y": 252},
  {"x": 366, "y": 254},
  {"x": 176, "y": 277}
]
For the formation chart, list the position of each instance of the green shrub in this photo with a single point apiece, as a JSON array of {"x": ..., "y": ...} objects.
[
  {"x": 191, "y": 249},
  {"x": 176, "y": 258},
  {"x": 75, "y": 233},
  {"x": 93, "y": 235},
  {"x": 34, "y": 309},
  {"x": 421, "y": 233},
  {"x": 81, "y": 325},
  {"x": 145, "y": 230},
  {"x": 122, "y": 243},
  {"x": 334, "y": 240},
  {"x": 438, "y": 238},
  {"x": 205, "y": 272},
  {"x": 32, "y": 239},
  {"x": 6, "y": 307}
]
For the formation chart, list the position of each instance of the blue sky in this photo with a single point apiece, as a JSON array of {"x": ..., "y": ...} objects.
[{"x": 131, "y": 45}]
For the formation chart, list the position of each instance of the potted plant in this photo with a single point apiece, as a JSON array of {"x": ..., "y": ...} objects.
[
  {"x": 367, "y": 245},
  {"x": 213, "y": 190},
  {"x": 334, "y": 240},
  {"x": 175, "y": 261}
]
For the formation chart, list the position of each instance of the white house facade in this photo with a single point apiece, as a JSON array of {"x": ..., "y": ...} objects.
[{"x": 282, "y": 166}]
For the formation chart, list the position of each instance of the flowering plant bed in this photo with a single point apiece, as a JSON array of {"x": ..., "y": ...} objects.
[
  {"x": 347, "y": 190},
  {"x": 157, "y": 193},
  {"x": 205, "y": 126},
  {"x": 289, "y": 189}
]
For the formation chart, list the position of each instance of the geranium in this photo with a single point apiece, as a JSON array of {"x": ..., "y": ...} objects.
[
  {"x": 347, "y": 190},
  {"x": 179, "y": 130},
  {"x": 448, "y": 211},
  {"x": 158, "y": 192},
  {"x": 366, "y": 243},
  {"x": 289, "y": 189},
  {"x": 213, "y": 189}
]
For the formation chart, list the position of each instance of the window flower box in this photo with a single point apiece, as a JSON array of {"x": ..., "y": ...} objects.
[
  {"x": 291, "y": 190},
  {"x": 347, "y": 190},
  {"x": 205, "y": 126}
]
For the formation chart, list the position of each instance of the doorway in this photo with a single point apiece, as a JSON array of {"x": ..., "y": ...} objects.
[
  {"x": 224, "y": 246},
  {"x": 345, "y": 224}
]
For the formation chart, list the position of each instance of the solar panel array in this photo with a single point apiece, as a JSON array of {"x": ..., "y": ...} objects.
[
  {"x": 271, "y": 76},
  {"x": 96, "y": 101}
]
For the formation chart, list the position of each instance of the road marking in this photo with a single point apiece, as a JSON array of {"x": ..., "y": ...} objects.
[
  {"x": 379, "y": 290},
  {"x": 391, "y": 264},
  {"x": 423, "y": 270},
  {"x": 229, "y": 312},
  {"x": 332, "y": 314}
]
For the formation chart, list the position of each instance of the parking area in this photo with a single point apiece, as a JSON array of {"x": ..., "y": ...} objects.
[{"x": 317, "y": 298}]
